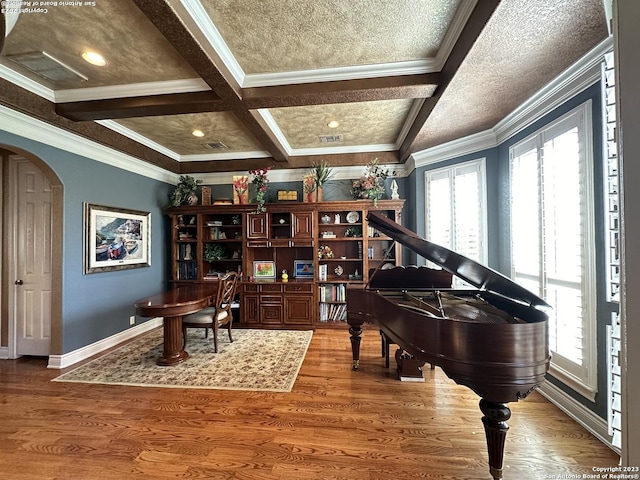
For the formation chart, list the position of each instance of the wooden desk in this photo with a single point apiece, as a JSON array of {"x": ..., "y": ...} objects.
[{"x": 172, "y": 305}]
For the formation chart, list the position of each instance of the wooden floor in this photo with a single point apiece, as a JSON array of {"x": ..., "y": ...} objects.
[{"x": 335, "y": 424}]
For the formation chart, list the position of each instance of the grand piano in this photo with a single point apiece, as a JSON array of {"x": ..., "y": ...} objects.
[{"x": 491, "y": 337}]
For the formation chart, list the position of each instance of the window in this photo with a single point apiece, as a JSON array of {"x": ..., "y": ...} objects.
[
  {"x": 455, "y": 208},
  {"x": 552, "y": 235}
]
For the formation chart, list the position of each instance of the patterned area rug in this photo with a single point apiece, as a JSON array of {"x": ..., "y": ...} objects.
[{"x": 265, "y": 360}]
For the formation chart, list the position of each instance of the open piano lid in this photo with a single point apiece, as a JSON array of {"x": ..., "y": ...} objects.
[{"x": 483, "y": 278}]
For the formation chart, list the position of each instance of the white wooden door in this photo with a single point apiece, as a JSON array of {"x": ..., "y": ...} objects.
[{"x": 32, "y": 254}]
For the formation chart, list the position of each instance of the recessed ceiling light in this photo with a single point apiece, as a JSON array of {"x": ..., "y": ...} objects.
[
  {"x": 94, "y": 58},
  {"x": 197, "y": 133},
  {"x": 333, "y": 124}
]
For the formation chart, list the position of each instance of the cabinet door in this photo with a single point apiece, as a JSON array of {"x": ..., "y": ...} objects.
[
  {"x": 302, "y": 225},
  {"x": 298, "y": 310},
  {"x": 256, "y": 226},
  {"x": 271, "y": 310},
  {"x": 250, "y": 309}
]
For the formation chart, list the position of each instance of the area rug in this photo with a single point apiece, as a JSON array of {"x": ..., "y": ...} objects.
[{"x": 257, "y": 360}]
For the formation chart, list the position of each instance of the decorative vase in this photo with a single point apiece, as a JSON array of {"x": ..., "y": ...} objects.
[{"x": 319, "y": 194}]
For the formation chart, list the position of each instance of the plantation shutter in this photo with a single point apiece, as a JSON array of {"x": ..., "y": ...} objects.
[
  {"x": 455, "y": 208},
  {"x": 552, "y": 234}
]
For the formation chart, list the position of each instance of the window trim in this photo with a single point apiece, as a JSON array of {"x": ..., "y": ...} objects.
[
  {"x": 585, "y": 382},
  {"x": 480, "y": 164}
]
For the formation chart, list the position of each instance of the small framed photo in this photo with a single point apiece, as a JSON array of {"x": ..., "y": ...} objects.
[
  {"x": 303, "y": 268},
  {"x": 264, "y": 269}
]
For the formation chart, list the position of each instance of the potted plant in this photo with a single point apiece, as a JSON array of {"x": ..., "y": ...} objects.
[
  {"x": 322, "y": 172},
  {"x": 185, "y": 192}
]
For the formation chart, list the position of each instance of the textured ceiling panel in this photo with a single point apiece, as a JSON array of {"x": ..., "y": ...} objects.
[
  {"x": 290, "y": 35},
  {"x": 510, "y": 62},
  {"x": 134, "y": 49},
  {"x": 174, "y": 132},
  {"x": 368, "y": 123}
]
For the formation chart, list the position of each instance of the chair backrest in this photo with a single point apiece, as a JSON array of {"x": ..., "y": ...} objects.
[{"x": 226, "y": 291}]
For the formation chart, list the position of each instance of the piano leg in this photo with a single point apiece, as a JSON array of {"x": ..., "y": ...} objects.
[
  {"x": 356, "y": 331},
  {"x": 495, "y": 428}
]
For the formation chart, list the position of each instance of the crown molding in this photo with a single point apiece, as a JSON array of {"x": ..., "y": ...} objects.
[
  {"x": 573, "y": 80},
  {"x": 26, "y": 83},
  {"x": 33, "y": 129},
  {"x": 456, "y": 148},
  {"x": 576, "y": 78}
]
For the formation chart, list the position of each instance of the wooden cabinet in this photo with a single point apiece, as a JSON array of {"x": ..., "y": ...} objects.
[
  {"x": 278, "y": 303},
  {"x": 211, "y": 239}
]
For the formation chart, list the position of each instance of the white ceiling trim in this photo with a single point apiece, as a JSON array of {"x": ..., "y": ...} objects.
[
  {"x": 132, "y": 90},
  {"x": 579, "y": 76},
  {"x": 202, "y": 21},
  {"x": 271, "y": 123},
  {"x": 136, "y": 137},
  {"x": 295, "y": 174},
  {"x": 458, "y": 23},
  {"x": 383, "y": 147},
  {"x": 26, "y": 83},
  {"x": 576, "y": 78},
  {"x": 352, "y": 72},
  {"x": 224, "y": 156},
  {"x": 33, "y": 129},
  {"x": 456, "y": 148}
]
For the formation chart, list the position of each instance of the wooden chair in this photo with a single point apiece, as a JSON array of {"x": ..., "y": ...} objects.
[{"x": 217, "y": 315}]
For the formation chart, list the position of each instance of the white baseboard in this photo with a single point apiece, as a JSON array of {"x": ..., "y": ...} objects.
[
  {"x": 594, "y": 424},
  {"x": 4, "y": 353},
  {"x": 63, "y": 361}
]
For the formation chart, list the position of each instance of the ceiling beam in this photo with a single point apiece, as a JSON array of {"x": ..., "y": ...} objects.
[
  {"x": 148, "y": 106},
  {"x": 343, "y": 91},
  {"x": 167, "y": 21},
  {"x": 479, "y": 17}
]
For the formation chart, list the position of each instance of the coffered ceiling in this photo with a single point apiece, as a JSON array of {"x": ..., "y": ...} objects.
[{"x": 262, "y": 80}]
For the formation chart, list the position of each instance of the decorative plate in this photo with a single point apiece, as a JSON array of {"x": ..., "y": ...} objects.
[
  {"x": 353, "y": 217},
  {"x": 339, "y": 271}
]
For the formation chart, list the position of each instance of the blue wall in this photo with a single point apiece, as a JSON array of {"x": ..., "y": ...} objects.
[{"x": 98, "y": 305}]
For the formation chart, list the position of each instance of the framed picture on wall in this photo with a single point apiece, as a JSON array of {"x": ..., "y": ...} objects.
[{"x": 115, "y": 238}]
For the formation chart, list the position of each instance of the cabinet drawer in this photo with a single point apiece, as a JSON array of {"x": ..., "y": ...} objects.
[
  {"x": 272, "y": 287},
  {"x": 298, "y": 288},
  {"x": 250, "y": 287},
  {"x": 271, "y": 299}
]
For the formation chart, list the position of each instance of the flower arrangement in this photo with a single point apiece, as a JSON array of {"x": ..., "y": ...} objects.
[
  {"x": 371, "y": 184},
  {"x": 325, "y": 252},
  {"x": 260, "y": 180},
  {"x": 240, "y": 186}
]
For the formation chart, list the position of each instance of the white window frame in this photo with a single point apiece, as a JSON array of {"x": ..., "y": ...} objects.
[
  {"x": 480, "y": 166},
  {"x": 581, "y": 378}
]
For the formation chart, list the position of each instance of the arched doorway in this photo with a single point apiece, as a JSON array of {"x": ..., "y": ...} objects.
[{"x": 8, "y": 330}]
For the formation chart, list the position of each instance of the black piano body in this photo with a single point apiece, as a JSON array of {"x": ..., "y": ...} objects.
[{"x": 492, "y": 338}]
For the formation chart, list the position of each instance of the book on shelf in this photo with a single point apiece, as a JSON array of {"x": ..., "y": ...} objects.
[
  {"x": 333, "y": 293},
  {"x": 333, "y": 312},
  {"x": 322, "y": 272}
]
